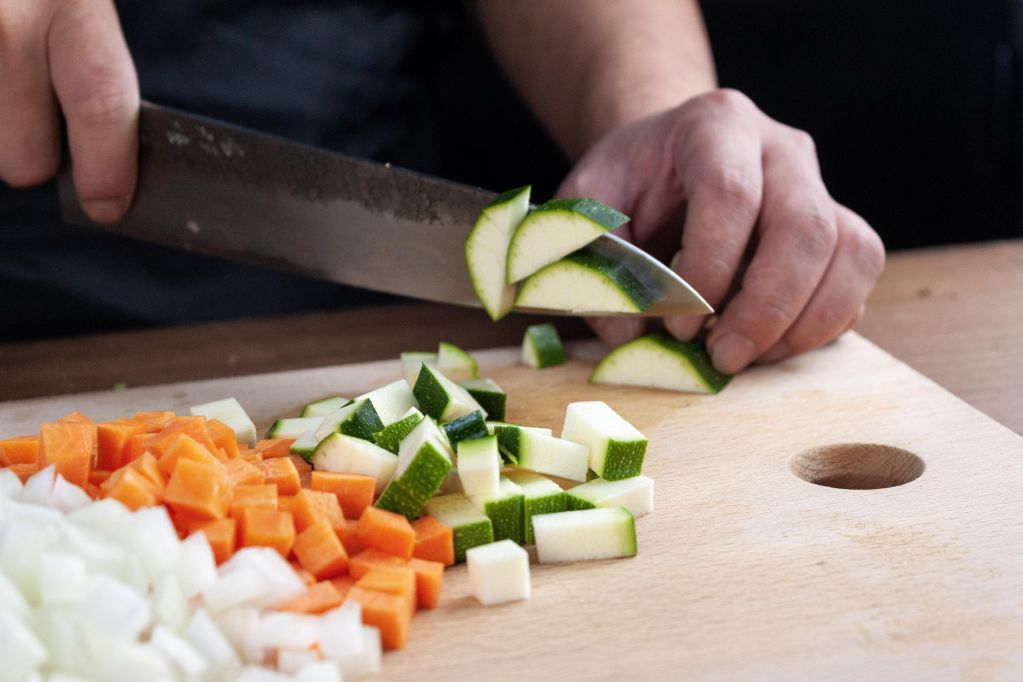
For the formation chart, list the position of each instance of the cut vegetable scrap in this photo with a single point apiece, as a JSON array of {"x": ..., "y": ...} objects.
[
  {"x": 390, "y": 437},
  {"x": 231, "y": 413},
  {"x": 412, "y": 361},
  {"x": 659, "y": 361},
  {"x": 486, "y": 250},
  {"x": 434, "y": 541},
  {"x": 424, "y": 460},
  {"x": 541, "y": 346},
  {"x": 542, "y": 496},
  {"x": 358, "y": 419},
  {"x": 321, "y": 408},
  {"x": 552, "y": 456},
  {"x": 386, "y": 531},
  {"x": 506, "y": 511},
  {"x": 605, "y": 533},
  {"x": 635, "y": 494},
  {"x": 261, "y": 527},
  {"x": 320, "y": 552},
  {"x": 343, "y": 454},
  {"x": 361, "y": 563},
  {"x": 354, "y": 492},
  {"x": 469, "y": 427},
  {"x": 429, "y": 581},
  {"x": 389, "y": 613},
  {"x": 469, "y": 525},
  {"x": 441, "y": 398},
  {"x": 309, "y": 506},
  {"x": 318, "y": 598},
  {"x": 498, "y": 572},
  {"x": 198, "y": 489},
  {"x": 455, "y": 363},
  {"x": 488, "y": 394},
  {"x": 616, "y": 447},
  {"x": 281, "y": 472},
  {"x": 68, "y": 446},
  {"x": 392, "y": 401},
  {"x": 479, "y": 469}
]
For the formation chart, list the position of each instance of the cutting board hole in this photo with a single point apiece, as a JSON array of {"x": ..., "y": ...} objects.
[{"x": 857, "y": 466}]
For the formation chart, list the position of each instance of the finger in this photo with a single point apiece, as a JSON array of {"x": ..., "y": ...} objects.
[
  {"x": 95, "y": 82},
  {"x": 837, "y": 305},
  {"x": 29, "y": 125},
  {"x": 614, "y": 331},
  {"x": 720, "y": 167},
  {"x": 798, "y": 237}
]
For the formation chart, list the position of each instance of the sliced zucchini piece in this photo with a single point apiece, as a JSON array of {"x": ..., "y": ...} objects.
[
  {"x": 635, "y": 494},
  {"x": 305, "y": 445},
  {"x": 412, "y": 361},
  {"x": 541, "y": 346},
  {"x": 498, "y": 572},
  {"x": 424, "y": 460},
  {"x": 606, "y": 533},
  {"x": 659, "y": 361},
  {"x": 486, "y": 250},
  {"x": 442, "y": 398},
  {"x": 479, "y": 469},
  {"x": 508, "y": 438},
  {"x": 488, "y": 394},
  {"x": 351, "y": 455},
  {"x": 321, "y": 408},
  {"x": 359, "y": 419},
  {"x": 552, "y": 456},
  {"x": 470, "y": 525},
  {"x": 390, "y": 437},
  {"x": 507, "y": 511},
  {"x": 616, "y": 447},
  {"x": 455, "y": 363},
  {"x": 543, "y": 496},
  {"x": 392, "y": 401},
  {"x": 468, "y": 427},
  {"x": 292, "y": 427},
  {"x": 556, "y": 229},
  {"x": 586, "y": 282},
  {"x": 230, "y": 412}
]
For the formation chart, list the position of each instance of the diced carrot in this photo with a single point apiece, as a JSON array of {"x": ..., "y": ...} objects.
[
  {"x": 354, "y": 491},
  {"x": 397, "y": 580},
  {"x": 93, "y": 490},
  {"x": 99, "y": 476},
  {"x": 303, "y": 467},
  {"x": 75, "y": 417},
  {"x": 148, "y": 467},
  {"x": 155, "y": 421},
  {"x": 198, "y": 489},
  {"x": 387, "y": 612},
  {"x": 222, "y": 535},
  {"x": 19, "y": 450},
  {"x": 342, "y": 584},
  {"x": 24, "y": 471},
  {"x": 361, "y": 563},
  {"x": 112, "y": 440},
  {"x": 320, "y": 597},
  {"x": 275, "y": 447},
  {"x": 386, "y": 531},
  {"x": 266, "y": 528},
  {"x": 250, "y": 455},
  {"x": 262, "y": 495},
  {"x": 195, "y": 427},
  {"x": 70, "y": 447},
  {"x": 183, "y": 446},
  {"x": 137, "y": 445},
  {"x": 223, "y": 437},
  {"x": 320, "y": 552},
  {"x": 350, "y": 538},
  {"x": 130, "y": 488},
  {"x": 429, "y": 580},
  {"x": 240, "y": 472},
  {"x": 308, "y": 506},
  {"x": 434, "y": 541},
  {"x": 281, "y": 472},
  {"x": 304, "y": 575}
]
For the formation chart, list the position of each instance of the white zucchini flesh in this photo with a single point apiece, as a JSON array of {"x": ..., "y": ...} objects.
[
  {"x": 455, "y": 363},
  {"x": 350, "y": 455},
  {"x": 412, "y": 361},
  {"x": 321, "y": 408},
  {"x": 553, "y": 456},
  {"x": 486, "y": 250},
  {"x": 658, "y": 361},
  {"x": 498, "y": 572},
  {"x": 604, "y": 533},
  {"x": 479, "y": 469},
  {"x": 617, "y": 448},
  {"x": 229, "y": 411},
  {"x": 292, "y": 427},
  {"x": 635, "y": 494},
  {"x": 391, "y": 401}
]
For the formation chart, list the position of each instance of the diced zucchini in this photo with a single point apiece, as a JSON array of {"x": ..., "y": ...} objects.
[
  {"x": 541, "y": 346},
  {"x": 543, "y": 496},
  {"x": 321, "y": 408},
  {"x": 392, "y": 401},
  {"x": 616, "y": 447},
  {"x": 486, "y": 250},
  {"x": 230, "y": 412},
  {"x": 455, "y": 363},
  {"x": 442, "y": 398},
  {"x": 470, "y": 525},
  {"x": 471, "y": 426},
  {"x": 507, "y": 511},
  {"x": 390, "y": 437},
  {"x": 351, "y": 455},
  {"x": 488, "y": 394},
  {"x": 293, "y": 427},
  {"x": 605, "y": 533},
  {"x": 635, "y": 494},
  {"x": 305, "y": 445},
  {"x": 412, "y": 361},
  {"x": 424, "y": 460},
  {"x": 498, "y": 572},
  {"x": 659, "y": 361},
  {"x": 586, "y": 282},
  {"x": 479, "y": 469},
  {"x": 359, "y": 419},
  {"x": 552, "y": 456},
  {"x": 508, "y": 438},
  {"x": 554, "y": 230}
]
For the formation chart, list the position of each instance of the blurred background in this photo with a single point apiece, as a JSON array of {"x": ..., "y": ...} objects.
[{"x": 915, "y": 107}]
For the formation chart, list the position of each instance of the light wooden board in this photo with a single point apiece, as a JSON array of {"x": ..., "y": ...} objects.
[{"x": 744, "y": 570}]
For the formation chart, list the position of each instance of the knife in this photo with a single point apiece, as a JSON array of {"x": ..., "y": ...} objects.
[{"x": 214, "y": 188}]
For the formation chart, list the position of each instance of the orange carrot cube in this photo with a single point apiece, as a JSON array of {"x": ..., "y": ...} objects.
[
  {"x": 112, "y": 440},
  {"x": 222, "y": 535},
  {"x": 354, "y": 491},
  {"x": 199, "y": 489},
  {"x": 272, "y": 448},
  {"x": 263, "y": 527},
  {"x": 19, "y": 450},
  {"x": 386, "y": 531},
  {"x": 320, "y": 597},
  {"x": 389, "y": 613},
  {"x": 434, "y": 541},
  {"x": 281, "y": 472},
  {"x": 69, "y": 446},
  {"x": 309, "y": 506},
  {"x": 429, "y": 581},
  {"x": 320, "y": 552},
  {"x": 361, "y": 563},
  {"x": 262, "y": 495},
  {"x": 223, "y": 437},
  {"x": 241, "y": 472}
]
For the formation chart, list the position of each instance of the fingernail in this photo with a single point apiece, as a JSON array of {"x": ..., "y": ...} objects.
[
  {"x": 780, "y": 351},
  {"x": 731, "y": 352},
  {"x": 684, "y": 328},
  {"x": 105, "y": 210}
]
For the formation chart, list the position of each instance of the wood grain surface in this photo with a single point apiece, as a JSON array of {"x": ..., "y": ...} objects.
[{"x": 745, "y": 570}]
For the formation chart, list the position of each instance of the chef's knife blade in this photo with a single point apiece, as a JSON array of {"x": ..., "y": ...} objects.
[{"x": 218, "y": 189}]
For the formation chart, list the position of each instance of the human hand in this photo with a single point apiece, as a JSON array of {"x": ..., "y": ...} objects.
[
  {"x": 785, "y": 266},
  {"x": 71, "y": 54}
]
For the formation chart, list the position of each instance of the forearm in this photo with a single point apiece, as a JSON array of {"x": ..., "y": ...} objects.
[{"x": 586, "y": 67}]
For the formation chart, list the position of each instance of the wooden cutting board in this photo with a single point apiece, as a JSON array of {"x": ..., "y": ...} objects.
[{"x": 745, "y": 570}]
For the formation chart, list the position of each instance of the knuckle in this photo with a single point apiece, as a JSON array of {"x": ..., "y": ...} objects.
[
  {"x": 105, "y": 99},
  {"x": 734, "y": 185},
  {"x": 731, "y": 101},
  {"x": 867, "y": 250},
  {"x": 817, "y": 232},
  {"x": 803, "y": 142}
]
